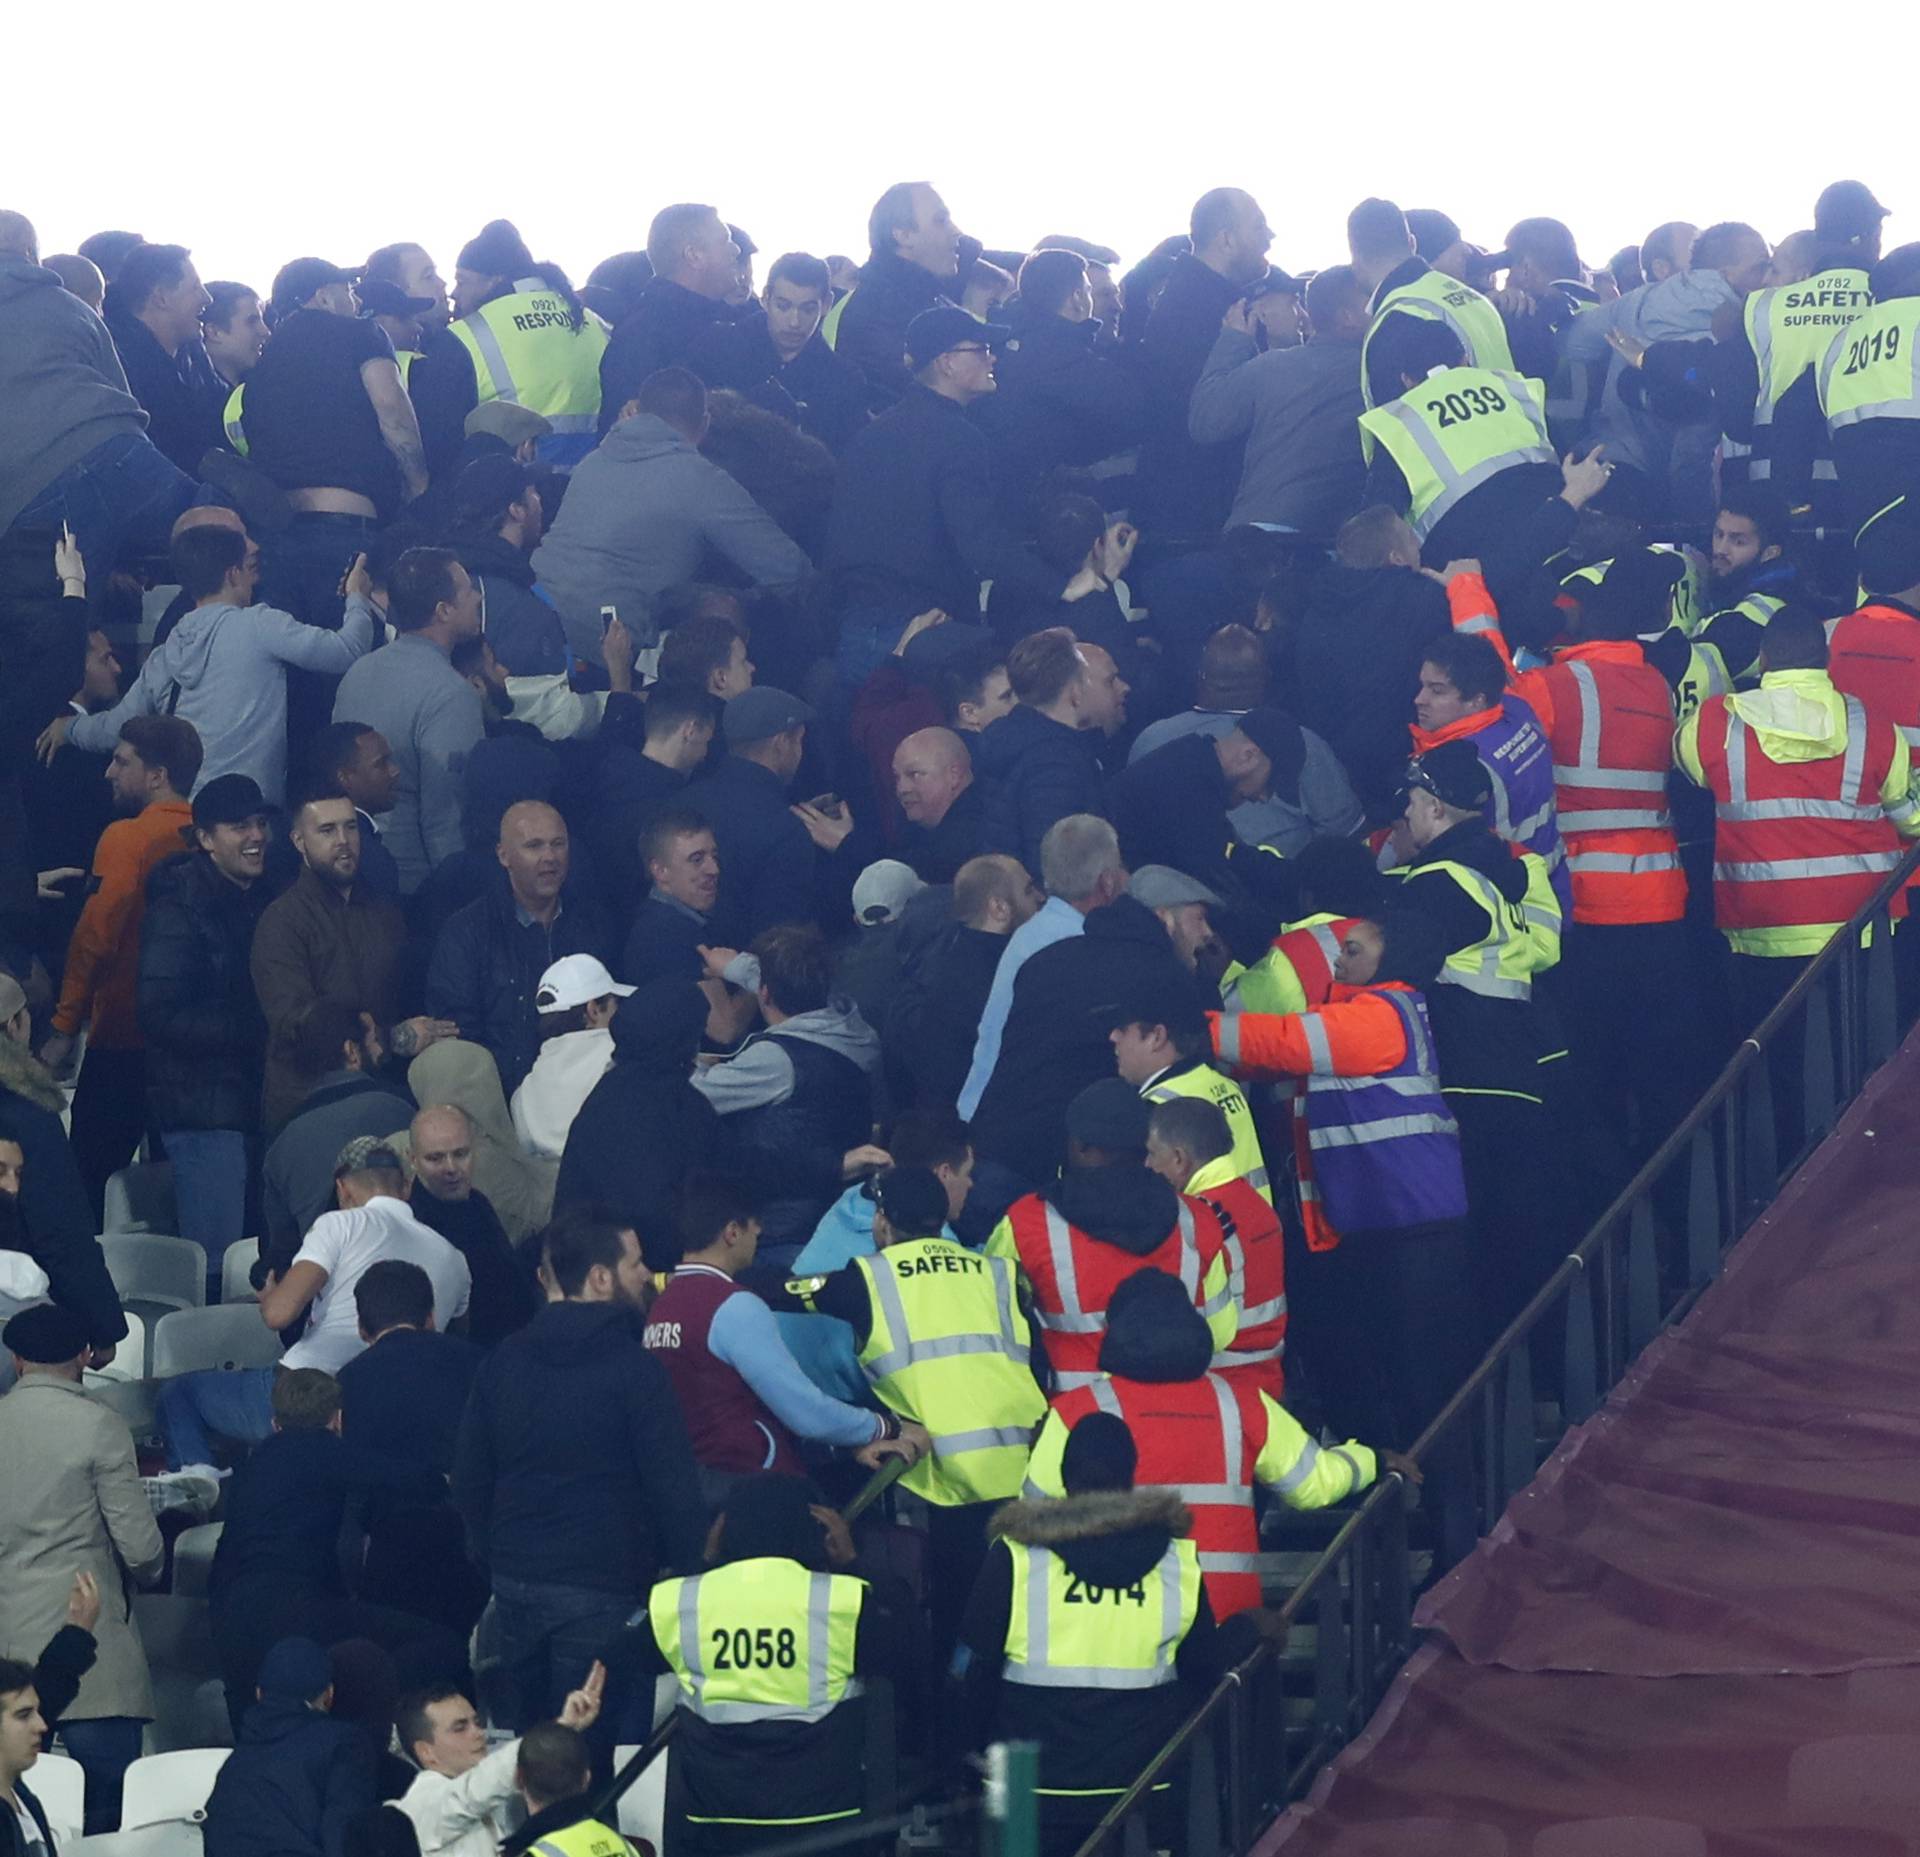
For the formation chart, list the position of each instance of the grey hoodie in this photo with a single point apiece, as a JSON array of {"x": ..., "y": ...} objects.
[
  {"x": 229, "y": 665},
  {"x": 62, "y": 387},
  {"x": 641, "y": 512},
  {"x": 761, "y": 1073}
]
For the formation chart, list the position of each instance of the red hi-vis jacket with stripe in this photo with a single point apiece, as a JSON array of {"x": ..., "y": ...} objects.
[
  {"x": 1210, "y": 1440},
  {"x": 1874, "y": 654},
  {"x": 1256, "y": 1276},
  {"x": 1074, "y": 1276},
  {"x": 1608, "y": 718},
  {"x": 1813, "y": 794}
]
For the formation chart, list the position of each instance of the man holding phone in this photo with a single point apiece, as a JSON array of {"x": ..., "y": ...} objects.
[{"x": 779, "y": 862}]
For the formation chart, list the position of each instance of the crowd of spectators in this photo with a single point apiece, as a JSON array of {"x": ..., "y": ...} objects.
[{"x": 1054, "y": 872}]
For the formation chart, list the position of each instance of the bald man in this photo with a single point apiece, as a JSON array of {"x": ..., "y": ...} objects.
[
  {"x": 933, "y": 781},
  {"x": 201, "y": 516},
  {"x": 79, "y": 277},
  {"x": 486, "y": 966}
]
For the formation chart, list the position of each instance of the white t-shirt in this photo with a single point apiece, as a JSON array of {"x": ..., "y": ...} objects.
[{"x": 344, "y": 1245}]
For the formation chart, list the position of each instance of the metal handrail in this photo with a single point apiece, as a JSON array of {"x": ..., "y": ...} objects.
[{"x": 1229, "y": 1693}]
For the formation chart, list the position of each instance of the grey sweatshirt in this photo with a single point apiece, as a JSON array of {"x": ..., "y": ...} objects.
[
  {"x": 229, "y": 665},
  {"x": 431, "y": 717},
  {"x": 62, "y": 387},
  {"x": 641, "y": 512},
  {"x": 761, "y": 1073}
]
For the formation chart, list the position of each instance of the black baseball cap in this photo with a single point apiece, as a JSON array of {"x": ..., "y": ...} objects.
[
  {"x": 1454, "y": 774},
  {"x": 1847, "y": 210},
  {"x": 947, "y": 326},
  {"x": 763, "y": 711},
  {"x": 296, "y": 282}
]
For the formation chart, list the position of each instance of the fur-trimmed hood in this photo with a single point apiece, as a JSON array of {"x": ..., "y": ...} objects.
[
  {"x": 1053, "y": 1521},
  {"x": 1107, "y": 1537},
  {"x": 23, "y": 1074}
]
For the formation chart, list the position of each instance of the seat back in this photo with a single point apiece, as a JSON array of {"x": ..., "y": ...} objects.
[
  {"x": 153, "y": 1270},
  {"x": 60, "y": 1784},
  {"x": 162, "y": 1788},
  {"x": 132, "y": 1359},
  {"x": 236, "y": 1268},
  {"x": 228, "y": 1335},
  {"x": 193, "y": 1552},
  {"x": 140, "y": 1199}
]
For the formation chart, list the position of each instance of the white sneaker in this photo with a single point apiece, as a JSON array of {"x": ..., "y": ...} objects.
[{"x": 195, "y": 1488}]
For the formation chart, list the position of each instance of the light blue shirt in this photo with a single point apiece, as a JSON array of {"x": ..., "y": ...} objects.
[{"x": 1053, "y": 921}]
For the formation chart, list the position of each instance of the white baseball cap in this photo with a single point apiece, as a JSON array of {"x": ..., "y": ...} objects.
[
  {"x": 572, "y": 981},
  {"x": 883, "y": 889}
]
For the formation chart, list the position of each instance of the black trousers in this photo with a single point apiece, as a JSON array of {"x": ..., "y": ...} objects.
[{"x": 109, "y": 1117}]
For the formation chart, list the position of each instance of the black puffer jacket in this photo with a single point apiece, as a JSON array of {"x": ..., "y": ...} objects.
[
  {"x": 1059, "y": 401},
  {"x": 644, "y": 1127},
  {"x": 294, "y": 1784},
  {"x": 206, "y": 1035},
  {"x": 1036, "y": 771}
]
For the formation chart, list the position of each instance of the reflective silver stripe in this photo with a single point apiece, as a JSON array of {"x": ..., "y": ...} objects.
[
  {"x": 1256, "y": 1315},
  {"x": 819, "y": 1703},
  {"x": 689, "y": 1610},
  {"x": 908, "y": 1352},
  {"x": 1189, "y": 1253},
  {"x": 1353, "y": 1469},
  {"x": 1523, "y": 829},
  {"x": 1480, "y": 622},
  {"x": 1386, "y": 1128},
  {"x": 572, "y": 422},
  {"x": 1618, "y": 863},
  {"x": 1908, "y": 733},
  {"x": 1256, "y": 1177},
  {"x": 1787, "y": 870},
  {"x": 1227, "y": 1039},
  {"x": 1854, "y": 768},
  {"x": 1907, "y": 408},
  {"x": 1319, "y": 1045},
  {"x": 1488, "y": 986},
  {"x": 1236, "y": 1356},
  {"x": 1233, "y": 1437},
  {"x": 1215, "y": 1495},
  {"x": 1759, "y": 318},
  {"x": 492, "y": 354},
  {"x": 1004, "y": 1300},
  {"x": 1326, "y": 941},
  {"x": 1801, "y": 809},
  {"x": 1616, "y": 821},
  {"x": 887, "y": 1287},
  {"x": 1825, "y": 471},
  {"x": 1106, "y": 1398},
  {"x": 1230, "y": 1563},
  {"x": 1736, "y": 759},
  {"x": 819, "y": 1620},
  {"x": 1628, "y": 779},
  {"x": 1301, "y": 1469},
  {"x": 988, "y": 1438},
  {"x": 1072, "y": 1379},
  {"x": 1419, "y": 1046},
  {"x": 1072, "y": 1318},
  {"x": 1588, "y": 691}
]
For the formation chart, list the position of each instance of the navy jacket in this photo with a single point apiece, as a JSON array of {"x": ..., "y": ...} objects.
[
  {"x": 292, "y": 1786},
  {"x": 487, "y": 965},
  {"x": 404, "y": 1396},
  {"x": 769, "y": 867},
  {"x": 1185, "y": 489},
  {"x": 1036, "y": 771},
  {"x": 573, "y": 1466}
]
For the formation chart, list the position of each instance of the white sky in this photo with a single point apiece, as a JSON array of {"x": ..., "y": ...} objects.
[{"x": 298, "y": 127}]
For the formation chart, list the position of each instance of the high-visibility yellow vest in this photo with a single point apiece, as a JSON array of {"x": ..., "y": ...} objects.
[
  {"x": 830, "y": 322},
  {"x": 1203, "y": 1081},
  {"x": 1684, "y": 607},
  {"x": 230, "y": 417},
  {"x": 589, "y": 1838},
  {"x": 948, "y": 1347},
  {"x": 406, "y": 357},
  {"x": 1869, "y": 370},
  {"x": 764, "y": 1640},
  {"x": 1792, "y": 326},
  {"x": 1522, "y": 939},
  {"x": 526, "y": 350},
  {"x": 1063, "y": 1633},
  {"x": 1455, "y": 430},
  {"x": 1706, "y": 676},
  {"x": 1462, "y": 308}
]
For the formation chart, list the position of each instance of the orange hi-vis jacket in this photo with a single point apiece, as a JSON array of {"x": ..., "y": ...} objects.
[
  {"x": 1074, "y": 1275},
  {"x": 1256, "y": 1272},
  {"x": 1211, "y": 1440},
  {"x": 1608, "y": 718}
]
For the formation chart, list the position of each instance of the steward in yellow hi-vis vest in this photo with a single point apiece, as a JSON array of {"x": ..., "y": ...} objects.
[
  {"x": 530, "y": 340},
  {"x": 771, "y": 1648},
  {"x": 1432, "y": 296},
  {"x": 553, "y": 1771},
  {"x": 1869, "y": 387},
  {"x": 1089, "y": 1632}
]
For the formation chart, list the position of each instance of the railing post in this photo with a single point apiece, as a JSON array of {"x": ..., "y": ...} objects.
[
  {"x": 1203, "y": 1801},
  {"x": 1010, "y": 1824},
  {"x": 1579, "y": 1394},
  {"x": 1882, "y": 1007},
  {"x": 1817, "y": 1095},
  {"x": 1517, "y": 1459},
  {"x": 1703, "y": 1203},
  {"x": 1239, "y": 1780},
  {"x": 1332, "y": 1660},
  {"x": 1759, "y": 1174},
  {"x": 1643, "y": 1278}
]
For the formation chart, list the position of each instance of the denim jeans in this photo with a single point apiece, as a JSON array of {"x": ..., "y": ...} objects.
[
  {"x": 124, "y": 494},
  {"x": 210, "y": 1188},
  {"x": 536, "y": 1642},
  {"x": 236, "y": 1403},
  {"x": 302, "y": 566},
  {"x": 105, "y": 1748}
]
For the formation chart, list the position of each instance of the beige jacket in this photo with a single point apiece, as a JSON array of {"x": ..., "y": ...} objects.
[{"x": 72, "y": 1503}]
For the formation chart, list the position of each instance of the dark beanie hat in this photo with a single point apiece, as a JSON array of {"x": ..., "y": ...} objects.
[
  {"x": 46, "y": 1335},
  {"x": 1099, "y": 1454},
  {"x": 295, "y": 1670},
  {"x": 914, "y": 1201},
  {"x": 498, "y": 251}
]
